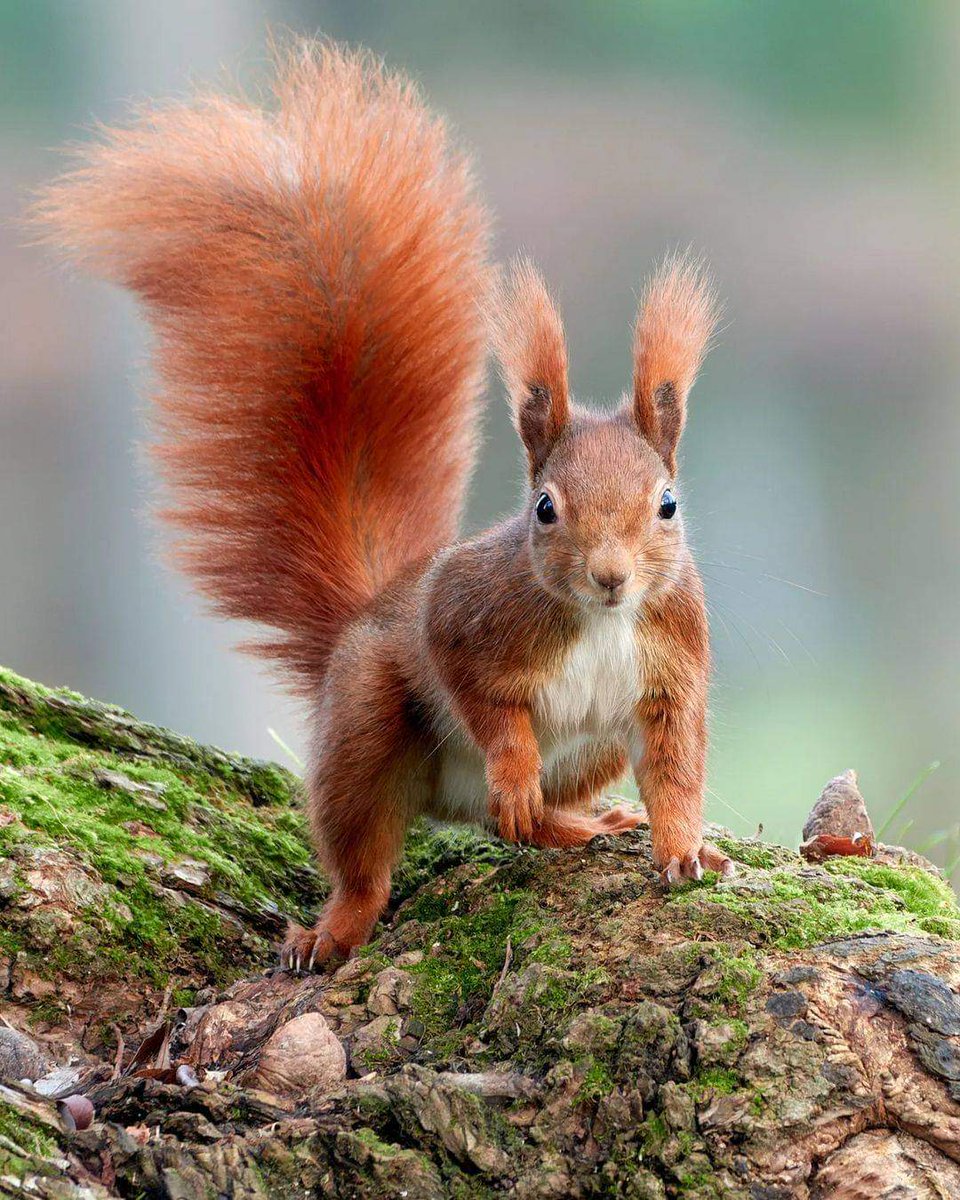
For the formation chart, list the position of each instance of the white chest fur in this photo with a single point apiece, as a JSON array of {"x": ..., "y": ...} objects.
[
  {"x": 590, "y": 699},
  {"x": 598, "y": 685}
]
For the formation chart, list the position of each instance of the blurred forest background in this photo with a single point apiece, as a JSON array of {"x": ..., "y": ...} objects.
[{"x": 810, "y": 149}]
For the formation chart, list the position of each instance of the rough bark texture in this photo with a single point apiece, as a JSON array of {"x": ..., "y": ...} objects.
[{"x": 539, "y": 1024}]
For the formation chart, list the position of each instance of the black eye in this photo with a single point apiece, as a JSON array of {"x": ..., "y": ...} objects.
[
  {"x": 546, "y": 513},
  {"x": 668, "y": 505}
]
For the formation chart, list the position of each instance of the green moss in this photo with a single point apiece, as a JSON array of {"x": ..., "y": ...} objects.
[
  {"x": 653, "y": 1134},
  {"x": 757, "y": 854},
  {"x": 368, "y": 1138},
  {"x": 795, "y": 910},
  {"x": 597, "y": 1082},
  {"x": 114, "y": 806},
  {"x": 46, "y": 1012},
  {"x": 717, "y": 1079},
  {"x": 468, "y": 952},
  {"x": 929, "y": 899},
  {"x": 431, "y": 849},
  {"x": 28, "y": 1136},
  {"x": 739, "y": 977}
]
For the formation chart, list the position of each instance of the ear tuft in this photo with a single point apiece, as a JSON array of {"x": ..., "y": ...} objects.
[
  {"x": 527, "y": 336},
  {"x": 677, "y": 318}
]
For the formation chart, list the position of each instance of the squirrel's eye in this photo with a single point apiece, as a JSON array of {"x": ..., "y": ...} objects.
[
  {"x": 668, "y": 505},
  {"x": 546, "y": 513}
]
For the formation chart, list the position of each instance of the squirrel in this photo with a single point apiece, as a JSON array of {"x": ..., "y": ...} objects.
[{"x": 318, "y": 281}]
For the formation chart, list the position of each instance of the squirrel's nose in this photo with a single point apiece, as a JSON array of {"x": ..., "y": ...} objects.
[{"x": 610, "y": 578}]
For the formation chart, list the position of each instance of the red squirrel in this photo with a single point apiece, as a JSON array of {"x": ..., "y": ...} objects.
[{"x": 318, "y": 283}]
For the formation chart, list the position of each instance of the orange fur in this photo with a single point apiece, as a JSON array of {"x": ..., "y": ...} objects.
[
  {"x": 312, "y": 275},
  {"x": 315, "y": 277},
  {"x": 678, "y": 316},
  {"x": 528, "y": 335}
]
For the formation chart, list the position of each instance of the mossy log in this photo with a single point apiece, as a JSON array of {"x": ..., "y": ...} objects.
[{"x": 528, "y": 1023}]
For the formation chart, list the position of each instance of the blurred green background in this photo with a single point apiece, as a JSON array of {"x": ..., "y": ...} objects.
[{"x": 810, "y": 149}]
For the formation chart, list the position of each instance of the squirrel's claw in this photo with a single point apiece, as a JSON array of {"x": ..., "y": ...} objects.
[
  {"x": 306, "y": 949},
  {"x": 692, "y": 867}
]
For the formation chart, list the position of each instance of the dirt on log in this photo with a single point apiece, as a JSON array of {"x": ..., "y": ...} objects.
[{"x": 526, "y": 1023}]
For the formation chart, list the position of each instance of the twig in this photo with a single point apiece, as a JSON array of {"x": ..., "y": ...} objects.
[
  {"x": 121, "y": 1050},
  {"x": 164, "y": 1003},
  {"x": 508, "y": 956},
  {"x": 509, "y": 1085}
]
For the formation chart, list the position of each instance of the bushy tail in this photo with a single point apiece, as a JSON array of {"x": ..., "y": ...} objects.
[{"x": 312, "y": 275}]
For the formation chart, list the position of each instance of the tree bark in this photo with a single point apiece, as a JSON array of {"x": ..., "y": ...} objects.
[{"x": 530, "y": 1023}]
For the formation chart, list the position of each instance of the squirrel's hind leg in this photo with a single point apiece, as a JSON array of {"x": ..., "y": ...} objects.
[
  {"x": 362, "y": 836},
  {"x": 562, "y": 828},
  {"x": 568, "y": 819},
  {"x": 361, "y": 801}
]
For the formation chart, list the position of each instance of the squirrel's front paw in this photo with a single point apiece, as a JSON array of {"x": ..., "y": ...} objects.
[
  {"x": 680, "y": 867},
  {"x": 517, "y": 811}
]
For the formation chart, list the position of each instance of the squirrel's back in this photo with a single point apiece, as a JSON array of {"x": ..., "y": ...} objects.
[{"x": 313, "y": 275}]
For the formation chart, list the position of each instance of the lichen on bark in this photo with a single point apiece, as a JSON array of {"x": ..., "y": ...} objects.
[{"x": 535, "y": 1023}]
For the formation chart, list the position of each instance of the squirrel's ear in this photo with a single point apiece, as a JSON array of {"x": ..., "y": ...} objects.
[
  {"x": 678, "y": 314},
  {"x": 528, "y": 338}
]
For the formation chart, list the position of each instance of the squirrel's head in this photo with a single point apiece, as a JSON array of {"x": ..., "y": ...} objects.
[{"x": 605, "y": 522}]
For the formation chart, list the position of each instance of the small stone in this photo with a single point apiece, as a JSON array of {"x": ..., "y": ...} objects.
[
  {"x": 220, "y": 1025},
  {"x": 76, "y": 1113},
  {"x": 376, "y": 1044},
  {"x": 787, "y": 1004},
  {"x": 9, "y": 883},
  {"x": 305, "y": 1055},
  {"x": 840, "y": 811},
  {"x": 925, "y": 999},
  {"x": 391, "y": 992},
  {"x": 800, "y": 974},
  {"x": 52, "y": 877},
  {"x": 118, "y": 782},
  {"x": 139, "y": 829},
  {"x": 188, "y": 874},
  {"x": 353, "y": 970},
  {"x": 58, "y": 1081},
  {"x": 714, "y": 1043},
  {"x": 20, "y": 1056}
]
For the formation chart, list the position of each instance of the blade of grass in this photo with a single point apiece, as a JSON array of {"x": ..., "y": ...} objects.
[
  {"x": 937, "y": 839},
  {"x": 285, "y": 748},
  {"x": 904, "y": 830},
  {"x": 907, "y": 796}
]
